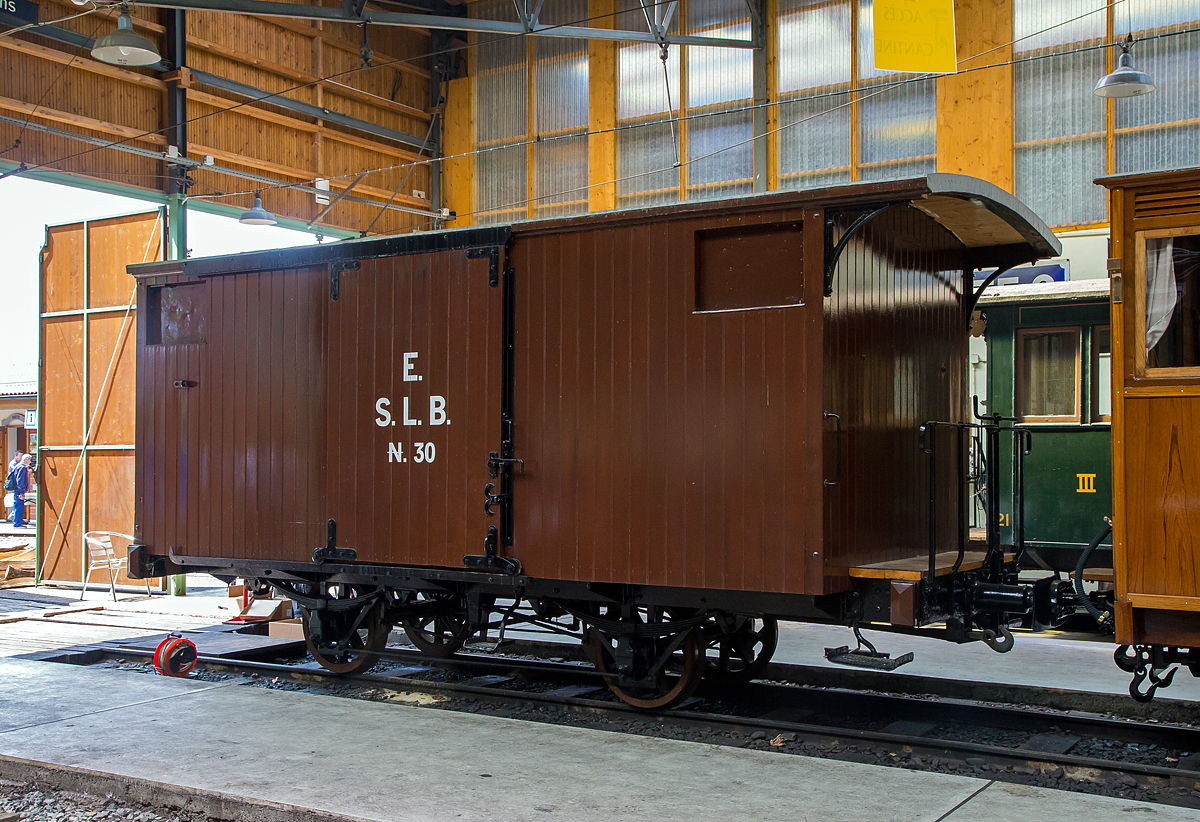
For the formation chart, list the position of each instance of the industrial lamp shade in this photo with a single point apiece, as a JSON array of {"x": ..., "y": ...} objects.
[
  {"x": 257, "y": 215},
  {"x": 124, "y": 47},
  {"x": 1125, "y": 80}
]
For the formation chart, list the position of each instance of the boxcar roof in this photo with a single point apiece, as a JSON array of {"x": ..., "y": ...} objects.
[
  {"x": 1036, "y": 292},
  {"x": 981, "y": 215}
]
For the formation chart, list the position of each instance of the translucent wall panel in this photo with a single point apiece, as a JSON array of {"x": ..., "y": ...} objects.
[
  {"x": 814, "y": 73},
  {"x": 1161, "y": 130},
  {"x": 1058, "y": 123},
  {"x": 647, "y": 100},
  {"x": 897, "y": 114},
  {"x": 498, "y": 65},
  {"x": 719, "y": 89},
  {"x": 560, "y": 105}
]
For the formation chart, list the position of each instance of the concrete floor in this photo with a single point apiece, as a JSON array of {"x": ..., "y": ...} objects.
[
  {"x": 380, "y": 761},
  {"x": 1054, "y": 661}
]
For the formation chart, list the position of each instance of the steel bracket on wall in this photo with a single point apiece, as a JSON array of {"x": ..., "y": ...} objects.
[
  {"x": 834, "y": 250},
  {"x": 1003, "y": 267},
  {"x": 335, "y": 275}
]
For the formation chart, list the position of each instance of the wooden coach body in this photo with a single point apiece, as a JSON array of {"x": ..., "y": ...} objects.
[
  {"x": 1156, "y": 406},
  {"x": 714, "y": 395}
]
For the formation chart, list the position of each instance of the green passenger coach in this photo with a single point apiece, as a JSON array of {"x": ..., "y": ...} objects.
[{"x": 1048, "y": 368}]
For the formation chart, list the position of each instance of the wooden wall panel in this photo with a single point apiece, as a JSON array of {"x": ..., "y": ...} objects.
[
  {"x": 77, "y": 354},
  {"x": 62, "y": 86},
  {"x": 62, "y": 382},
  {"x": 62, "y": 265},
  {"x": 60, "y": 516},
  {"x": 110, "y": 500},
  {"x": 975, "y": 109},
  {"x": 112, "y": 395},
  {"x": 112, "y": 244},
  {"x": 1162, "y": 465}
]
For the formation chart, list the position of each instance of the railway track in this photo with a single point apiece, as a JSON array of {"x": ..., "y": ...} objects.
[{"x": 1072, "y": 750}]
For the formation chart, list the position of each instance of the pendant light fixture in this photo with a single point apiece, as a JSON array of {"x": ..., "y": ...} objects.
[
  {"x": 124, "y": 47},
  {"x": 257, "y": 215},
  {"x": 1125, "y": 80}
]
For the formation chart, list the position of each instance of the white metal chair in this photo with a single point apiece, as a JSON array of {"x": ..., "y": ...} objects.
[{"x": 101, "y": 555}]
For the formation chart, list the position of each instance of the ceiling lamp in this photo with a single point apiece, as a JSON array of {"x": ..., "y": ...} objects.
[
  {"x": 1125, "y": 80},
  {"x": 124, "y": 47},
  {"x": 257, "y": 215}
]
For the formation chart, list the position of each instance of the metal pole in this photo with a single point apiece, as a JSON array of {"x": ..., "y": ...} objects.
[
  {"x": 176, "y": 246},
  {"x": 83, "y": 450},
  {"x": 758, "y": 35}
]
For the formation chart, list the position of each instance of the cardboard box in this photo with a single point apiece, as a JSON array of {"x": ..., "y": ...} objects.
[
  {"x": 264, "y": 610},
  {"x": 286, "y": 629}
]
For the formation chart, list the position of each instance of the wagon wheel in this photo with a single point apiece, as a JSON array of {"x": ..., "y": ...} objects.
[
  {"x": 441, "y": 632},
  {"x": 733, "y": 658},
  {"x": 362, "y": 648},
  {"x": 673, "y": 683}
]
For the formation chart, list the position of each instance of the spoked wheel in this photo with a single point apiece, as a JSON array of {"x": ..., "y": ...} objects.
[
  {"x": 346, "y": 641},
  {"x": 737, "y": 653},
  {"x": 675, "y": 680},
  {"x": 442, "y": 630}
]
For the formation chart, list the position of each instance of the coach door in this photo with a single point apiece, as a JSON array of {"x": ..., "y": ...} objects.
[{"x": 414, "y": 399}]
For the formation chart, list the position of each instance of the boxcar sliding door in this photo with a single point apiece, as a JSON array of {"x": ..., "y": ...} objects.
[{"x": 414, "y": 407}]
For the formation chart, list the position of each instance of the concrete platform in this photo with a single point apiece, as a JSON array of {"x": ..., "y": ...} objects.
[
  {"x": 1047, "y": 660},
  {"x": 382, "y": 761}
]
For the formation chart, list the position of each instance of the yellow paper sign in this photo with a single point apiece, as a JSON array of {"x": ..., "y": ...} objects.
[{"x": 915, "y": 35}]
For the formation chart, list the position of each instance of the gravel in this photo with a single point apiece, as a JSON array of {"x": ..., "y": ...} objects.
[{"x": 34, "y": 804}]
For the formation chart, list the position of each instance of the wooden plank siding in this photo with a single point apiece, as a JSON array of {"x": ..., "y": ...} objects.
[{"x": 58, "y": 85}]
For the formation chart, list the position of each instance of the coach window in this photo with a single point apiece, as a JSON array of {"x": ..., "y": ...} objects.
[
  {"x": 1048, "y": 375},
  {"x": 1101, "y": 374},
  {"x": 1168, "y": 308}
]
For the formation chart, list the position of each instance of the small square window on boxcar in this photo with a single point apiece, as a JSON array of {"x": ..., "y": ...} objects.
[
  {"x": 176, "y": 314},
  {"x": 749, "y": 267},
  {"x": 1048, "y": 376}
]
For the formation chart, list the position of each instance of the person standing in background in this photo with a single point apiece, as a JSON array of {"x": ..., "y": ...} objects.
[
  {"x": 22, "y": 483},
  {"x": 12, "y": 463}
]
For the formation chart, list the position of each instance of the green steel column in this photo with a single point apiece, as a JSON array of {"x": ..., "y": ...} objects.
[
  {"x": 176, "y": 227},
  {"x": 175, "y": 40}
]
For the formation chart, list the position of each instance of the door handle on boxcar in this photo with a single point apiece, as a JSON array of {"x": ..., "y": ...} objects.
[
  {"x": 186, "y": 383},
  {"x": 837, "y": 439}
]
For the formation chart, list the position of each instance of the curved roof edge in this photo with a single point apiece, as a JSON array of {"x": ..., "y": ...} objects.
[{"x": 996, "y": 200}]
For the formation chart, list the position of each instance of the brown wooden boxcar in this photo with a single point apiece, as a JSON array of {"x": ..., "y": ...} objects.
[
  {"x": 672, "y": 425},
  {"x": 1156, "y": 422}
]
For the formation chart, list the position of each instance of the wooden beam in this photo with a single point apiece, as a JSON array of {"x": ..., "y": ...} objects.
[
  {"x": 602, "y": 112},
  {"x": 271, "y": 116},
  {"x": 257, "y": 113},
  {"x": 337, "y": 198},
  {"x": 308, "y": 30},
  {"x": 966, "y": 102},
  {"x": 1164, "y": 603},
  {"x": 73, "y": 60},
  {"x": 458, "y": 137},
  {"x": 298, "y": 76},
  {"x": 297, "y": 174},
  {"x": 112, "y": 129}
]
